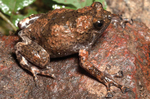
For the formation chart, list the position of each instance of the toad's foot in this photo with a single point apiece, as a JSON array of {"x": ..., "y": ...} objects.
[
  {"x": 103, "y": 77},
  {"x": 108, "y": 82},
  {"x": 33, "y": 69},
  {"x": 118, "y": 20},
  {"x": 33, "y": 57}
]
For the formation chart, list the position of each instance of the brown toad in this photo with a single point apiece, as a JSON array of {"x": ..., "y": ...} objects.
[{"x": 60, "y": 33}]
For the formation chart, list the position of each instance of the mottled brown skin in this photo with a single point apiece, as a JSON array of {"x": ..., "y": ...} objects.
[{"x": 60, "y": 33}]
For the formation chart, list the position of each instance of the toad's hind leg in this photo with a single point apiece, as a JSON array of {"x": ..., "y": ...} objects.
[
  {"x": 33, "y": 57},
  {"x": 103, "y": 77}
]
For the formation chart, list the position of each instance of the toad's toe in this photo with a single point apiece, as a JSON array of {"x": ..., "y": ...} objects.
[
  {"x": 109, "y": 94},
  {"x": 125, "y": 89}
]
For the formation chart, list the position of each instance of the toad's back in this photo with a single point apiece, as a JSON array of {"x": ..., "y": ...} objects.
[{"x": 62, "y": 34}]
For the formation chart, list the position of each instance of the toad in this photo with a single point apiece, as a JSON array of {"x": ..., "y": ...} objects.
[{"x": 63, "y": 32}]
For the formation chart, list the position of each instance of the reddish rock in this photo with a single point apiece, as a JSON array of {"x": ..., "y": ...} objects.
[{"x": 117, "y": 49}]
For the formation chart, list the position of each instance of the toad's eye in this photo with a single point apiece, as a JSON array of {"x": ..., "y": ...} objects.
[{"x": 99, "y": 24}]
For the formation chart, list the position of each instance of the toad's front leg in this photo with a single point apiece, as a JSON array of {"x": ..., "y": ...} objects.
[
  {"x": 32, "y": 57},
  {"x": 103, "y": 77}
]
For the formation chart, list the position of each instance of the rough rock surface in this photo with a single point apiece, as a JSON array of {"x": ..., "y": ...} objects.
[{"x": 117, "y": 49}]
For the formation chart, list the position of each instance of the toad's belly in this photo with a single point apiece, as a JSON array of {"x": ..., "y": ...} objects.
[
  {"x": 60, "y": 47},
  {"x": 61, "y": 51},
  {"x": 64, "y": 48}
]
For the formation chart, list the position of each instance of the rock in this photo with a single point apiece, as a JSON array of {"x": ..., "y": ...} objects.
[{"x": 117, "y": 49}]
